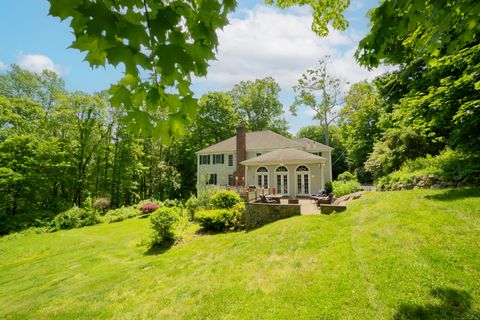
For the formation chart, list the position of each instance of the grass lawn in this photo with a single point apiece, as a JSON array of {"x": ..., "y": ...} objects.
[{"x": 401, "y": 255}]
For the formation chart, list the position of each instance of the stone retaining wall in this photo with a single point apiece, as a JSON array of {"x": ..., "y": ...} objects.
[{"x": 259, "y": 214}]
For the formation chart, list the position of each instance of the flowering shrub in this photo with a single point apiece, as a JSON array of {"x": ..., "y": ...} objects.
[{"x": 148, "y": 207}]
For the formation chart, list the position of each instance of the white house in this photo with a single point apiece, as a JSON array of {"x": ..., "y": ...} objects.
[{"x": 265, "y": 159}]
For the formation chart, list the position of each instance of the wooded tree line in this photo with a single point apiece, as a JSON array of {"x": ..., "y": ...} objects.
[{"x": 58, "y": 147}]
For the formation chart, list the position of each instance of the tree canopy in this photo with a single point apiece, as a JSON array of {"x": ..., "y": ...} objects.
[
  {"x": 409, "y": 30},
  {"x": 162, "y": 44},
  {"x": 259, "y": 105},
  {"x": 321, "y": 92}
]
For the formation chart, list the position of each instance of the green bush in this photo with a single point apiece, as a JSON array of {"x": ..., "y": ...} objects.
[
  {"x": 205, "y": 197},
  {"x": 120, "y": 214},
  {"x": 328, "y": 187},
  {"x": 192, "y": 205},
  {"x": 341, "y": 188},
  {"x": 216, "y": 219},
  {"x": 346, "y": 183},
  {"x": 239, "y": 215},
  {"x": 450, "y": 166},
  {"x": 225, "y": 199},
  {"x": 346, "y": 176},
  {"x": 75, "y": 218},
  {"x": 163, "y": 222},
  {"x": 171, "y": 203},
  {"x": 88, "y": 204}
]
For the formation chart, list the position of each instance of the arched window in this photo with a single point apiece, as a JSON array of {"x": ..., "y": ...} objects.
[
  {"x": 302, "y": 168},
  {"x": 282, "y": 169},
  {"x": 262, "y": 177}
]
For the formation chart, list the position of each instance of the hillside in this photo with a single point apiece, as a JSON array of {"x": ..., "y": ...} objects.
[{"x": 405, "y": 254}]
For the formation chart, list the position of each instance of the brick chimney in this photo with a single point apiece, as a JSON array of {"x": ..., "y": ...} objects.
[{"x": 241, "y": 155}]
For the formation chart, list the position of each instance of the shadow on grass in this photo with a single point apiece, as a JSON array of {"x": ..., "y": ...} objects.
[
  {"x": 455, "y": 194},
  {"x": 160, "y": 248},
  {"x": 453, "y": 304},
  {"x": 203, "y": 232}
]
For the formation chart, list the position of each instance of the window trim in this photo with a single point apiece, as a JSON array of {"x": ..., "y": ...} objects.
[
  {"x": 204, "y": 156},
  {"x": 262, "y": 174},
  {"x": 215, "y": 179},
  {"x": 221, "y": 156}
]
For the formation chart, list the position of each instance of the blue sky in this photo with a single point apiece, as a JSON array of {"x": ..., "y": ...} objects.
[{"x": 260, "y": 41}]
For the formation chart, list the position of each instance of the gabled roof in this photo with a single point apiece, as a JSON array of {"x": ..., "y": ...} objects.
[
  {"x": 311, "y": 145},
  {"x": 255, "y": 141},
  {"x": 284, "y": 156}
]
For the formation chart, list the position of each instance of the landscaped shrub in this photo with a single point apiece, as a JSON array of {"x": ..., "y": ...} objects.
[
  {"x": 88, "y": 204},
  {"x": 101, "y": 205},
  {"x": 215, "y": 220},
  {"x": 148, "y": 207},
  {"x": 328, "y": 187},
  {"x": 346, "y": 176},
  {"x": 163, "y": 222},
  {"x": 171, "y": 203},
  {"x": 225, "y": 199},
  {"x": 346, "y": 183},
  {"x": 205, "y": 197},
  {"x": 448, "y": 169},
  {"x": 120, "y": 214},
  {"x": 75, "y": 218},
  {"x": 239, "y": 215},
  {"x": 192, "y": 205}
]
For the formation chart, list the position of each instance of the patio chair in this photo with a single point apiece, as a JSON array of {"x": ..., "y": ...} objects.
[
  {"x": 264, "y": 199},
  {"x": 321, "y": 193},
  {"x": 325, "y": 200}
]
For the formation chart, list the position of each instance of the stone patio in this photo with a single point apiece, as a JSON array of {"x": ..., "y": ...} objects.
[{"x": 306, "y": 206}]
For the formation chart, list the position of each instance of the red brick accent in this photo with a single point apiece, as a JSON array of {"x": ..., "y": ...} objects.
[{"x": 241, "y": 155}]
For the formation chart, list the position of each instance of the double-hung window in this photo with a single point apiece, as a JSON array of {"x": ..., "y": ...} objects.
[
  {"x": 218, "y": 158},
  {"x": 205, "y": 159},
  {"x": 230, "y": 160},
  {"x": 212, "y": 178}
]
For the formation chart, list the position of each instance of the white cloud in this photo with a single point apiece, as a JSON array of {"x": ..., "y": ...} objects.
[
  {"x": 270, "y": 42},
  {"x": 37, "y": 63},
  {"x": 3, "y": 66}
]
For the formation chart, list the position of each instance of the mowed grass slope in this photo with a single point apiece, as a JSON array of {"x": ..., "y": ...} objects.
[{"x": 403, "y": 255}]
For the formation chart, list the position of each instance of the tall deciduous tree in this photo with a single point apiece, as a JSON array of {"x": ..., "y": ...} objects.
[
  {"x": 358, "y": 122},
  {"x": 259, "y": 105},
  {"x": 322, "y": 93},
  {"x": 217, "y": 118}
]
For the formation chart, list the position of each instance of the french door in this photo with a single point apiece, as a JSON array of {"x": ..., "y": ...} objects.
[
  {"x": 262, "y": 180},
  {"x": 282, "y": 183},
  {"x": 303, "y": 184}
]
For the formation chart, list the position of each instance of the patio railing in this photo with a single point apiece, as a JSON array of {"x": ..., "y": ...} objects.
[{"x": 251, "y": 193}]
